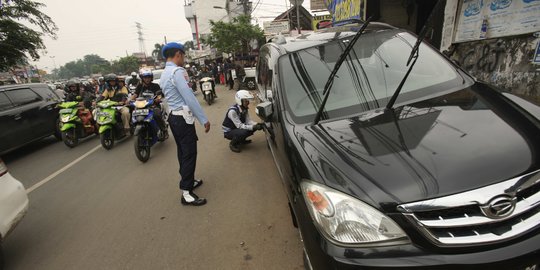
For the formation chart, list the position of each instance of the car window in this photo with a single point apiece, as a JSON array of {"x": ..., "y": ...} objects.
[
  {"x": 47, "y": 92},
  {"x": 4, "y": 102},
  {"x": 22, "y": 96},
  {"x": 366, "y": 80}
]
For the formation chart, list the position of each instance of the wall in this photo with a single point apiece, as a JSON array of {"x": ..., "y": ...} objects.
[{"x": 504, "y": 62}]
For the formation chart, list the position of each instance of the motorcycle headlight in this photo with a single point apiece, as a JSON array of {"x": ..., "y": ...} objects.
[
  {"x": 349, "y": 221},
  {"x": 65, "y": 118}
]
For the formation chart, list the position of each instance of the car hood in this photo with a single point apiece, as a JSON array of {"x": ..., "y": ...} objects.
[{"x": 440, "y": 146}]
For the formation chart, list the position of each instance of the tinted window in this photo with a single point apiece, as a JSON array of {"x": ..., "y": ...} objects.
[
  {"x": 22, "y": 96},
  {"x": 47, "y": 92},
  {"x": 367, "y": 78},
  {"x": 4, "y": 102}
]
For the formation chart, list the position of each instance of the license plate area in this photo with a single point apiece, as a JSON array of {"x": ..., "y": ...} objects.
[{"x": 140, "y": 112}]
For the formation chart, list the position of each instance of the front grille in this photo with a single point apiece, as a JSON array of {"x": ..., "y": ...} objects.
[{"x": 479, "y": 217}]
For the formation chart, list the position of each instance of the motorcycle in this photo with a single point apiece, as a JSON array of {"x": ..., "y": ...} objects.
[
  {"x": 76, "y": 122},
  {"x": 207, "y": 85},
  {"x": 110, "y": 124},
  {"x": 147, "y": 131},
  {"x": 193, "y": 83}
]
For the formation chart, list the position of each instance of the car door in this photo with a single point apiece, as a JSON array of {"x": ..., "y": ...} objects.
[
  {"x": 27, "y": 104},
  {"x": 278, "y": 139},
  {"x": 9, "y": 119},
  {"x": 48, "y": 113}
]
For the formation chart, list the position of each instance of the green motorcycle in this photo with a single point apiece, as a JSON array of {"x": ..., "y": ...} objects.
[
  {"x": 110, "y": 124},
  {"x": 76, "y": 122}
]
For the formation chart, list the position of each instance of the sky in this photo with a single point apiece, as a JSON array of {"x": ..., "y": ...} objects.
[{"x": 107, "y": 27}]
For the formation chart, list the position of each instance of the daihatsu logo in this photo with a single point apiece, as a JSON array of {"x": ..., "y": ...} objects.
[{"x": 499, "y": 207}]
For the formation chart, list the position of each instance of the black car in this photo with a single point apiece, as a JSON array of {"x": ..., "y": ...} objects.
[
  {"x": 28, "y": 112},
  {"x": 447, "y": 178}
]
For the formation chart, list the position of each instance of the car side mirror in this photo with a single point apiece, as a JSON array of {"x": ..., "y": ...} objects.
[{"x": 264, "y": 111}]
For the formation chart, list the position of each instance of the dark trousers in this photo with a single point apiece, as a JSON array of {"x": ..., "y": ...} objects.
[
  {"x": 238, "y": 135},
  {"x": 186, "y": 144},
  {"x": 159, "y": 118}
]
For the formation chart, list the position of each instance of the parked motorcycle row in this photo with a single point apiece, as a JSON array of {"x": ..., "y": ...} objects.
[{"x": 77, "y": 121}]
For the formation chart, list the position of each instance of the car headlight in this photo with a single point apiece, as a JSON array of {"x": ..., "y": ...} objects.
[{"x": 349, "y": 221}]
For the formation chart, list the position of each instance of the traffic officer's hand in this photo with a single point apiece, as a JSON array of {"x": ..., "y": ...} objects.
[
  {"x": 258, "y": 126},
  {"x": 206, "y": 127}
]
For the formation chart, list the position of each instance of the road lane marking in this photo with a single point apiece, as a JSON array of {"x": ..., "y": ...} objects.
[{"x": 63, "y": 169}]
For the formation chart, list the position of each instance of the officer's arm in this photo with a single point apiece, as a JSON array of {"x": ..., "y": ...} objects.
[
  {"x": 237, "y": 122},
  {"x": 189, "y": 97},
  {"x": 249, "y": 121}
]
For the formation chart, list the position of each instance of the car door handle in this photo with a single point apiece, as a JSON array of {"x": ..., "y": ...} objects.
[{"x": 17, "y": 117}]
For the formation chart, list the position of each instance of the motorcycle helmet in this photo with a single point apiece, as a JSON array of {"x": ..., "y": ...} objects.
[
  {"x": 121, "y": 78},
  {"x": 242, "y": 94},
  {"x": 111, "y": 77},
  {"x": 146, "y": 73},
  {"x": 133, "y": 74}
]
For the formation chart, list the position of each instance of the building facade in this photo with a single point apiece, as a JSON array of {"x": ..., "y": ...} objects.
[{"x": 199, "y": 13}]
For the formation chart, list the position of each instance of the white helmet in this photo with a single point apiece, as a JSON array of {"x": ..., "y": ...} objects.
[
  {"x": 187, "y": 66},
  {"x": 133, "y": 73},
  {"x": 242, "y": 94}
]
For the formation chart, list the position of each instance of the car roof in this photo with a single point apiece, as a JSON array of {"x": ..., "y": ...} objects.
[
  {"x": 307, "y": 40},
  {"x": 14, "y": 86}
]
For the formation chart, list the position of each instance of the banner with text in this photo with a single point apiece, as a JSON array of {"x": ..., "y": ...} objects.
[
  {"x": 478, "y": 19},
  {"x": 343, "y": 11}
]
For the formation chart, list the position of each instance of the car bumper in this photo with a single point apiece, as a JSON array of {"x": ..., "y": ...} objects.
[
  {"x": 13, "y": 203},
  {"x": 323, "y": 254}
]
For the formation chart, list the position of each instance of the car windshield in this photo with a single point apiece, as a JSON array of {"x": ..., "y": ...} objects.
[{"x": 368, "y": 77}]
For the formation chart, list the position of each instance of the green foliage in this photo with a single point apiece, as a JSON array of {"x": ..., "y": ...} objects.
[
  {"x": 17, "y": 41},
  {"x": 125, "y": 65},
  {"x": 189, "y": 45},
  {"x": 156, "y": 53},
  {"x": 92, "y": 64},
  {"x": 233, "y": 37}
]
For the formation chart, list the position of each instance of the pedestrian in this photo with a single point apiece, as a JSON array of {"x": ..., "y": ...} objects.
[{"x": 184, "y": 109}]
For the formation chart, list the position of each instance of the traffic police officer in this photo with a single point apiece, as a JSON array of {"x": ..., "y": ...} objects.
[{"x": 184, "y": 109}]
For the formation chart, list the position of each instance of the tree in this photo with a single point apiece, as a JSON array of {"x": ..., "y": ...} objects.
[
  {"x": 233, "y": 37},
  {"x": 125, "y": 65},
  {"x": 18, "y": 41},
  {"x": 156, "y": 53},
  {"x": 189, "y": 45}
]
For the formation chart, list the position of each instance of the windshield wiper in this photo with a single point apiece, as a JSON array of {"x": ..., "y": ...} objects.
[
  {"x": 341, "y": 59},
  {"x": 414, "y": 54}
]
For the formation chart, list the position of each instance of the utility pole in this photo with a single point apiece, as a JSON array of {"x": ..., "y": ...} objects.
[
  {"x": 141, "y": 40},
  {"x": 246, "y": 7},
  {"x": 297, "y": 4}
]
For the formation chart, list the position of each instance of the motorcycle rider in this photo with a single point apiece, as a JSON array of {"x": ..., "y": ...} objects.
[
  {"x": 147, "y": 85},
  {"x": 237, "y": 125},
  {"x": 115, "y": 93},
  {"x": 72, "y": 91},
  {"x": 134, "y": 81},
  {"x": 206, "y": 73}
]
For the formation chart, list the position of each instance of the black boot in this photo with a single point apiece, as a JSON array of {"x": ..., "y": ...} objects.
[{"x": 234, "y": 147}]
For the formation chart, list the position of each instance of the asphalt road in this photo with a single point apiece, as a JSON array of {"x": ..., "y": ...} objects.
[{"x": 110, "y": 211}]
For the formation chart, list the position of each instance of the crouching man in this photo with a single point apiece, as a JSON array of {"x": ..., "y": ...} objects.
[{"x": 237, "y": 126}]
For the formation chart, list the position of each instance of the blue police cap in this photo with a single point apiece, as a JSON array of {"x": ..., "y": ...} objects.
[{"x": 172, "y": 45}]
